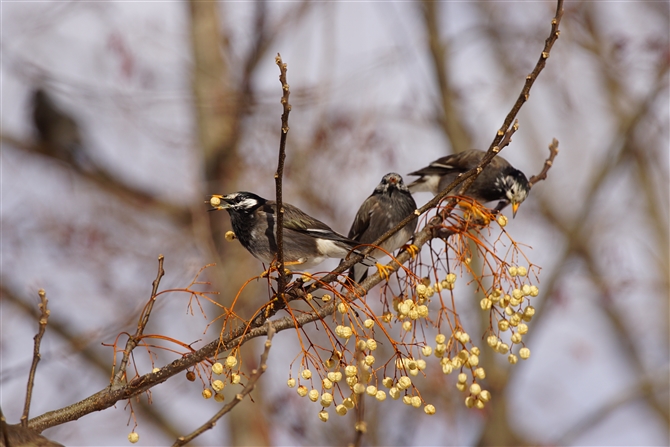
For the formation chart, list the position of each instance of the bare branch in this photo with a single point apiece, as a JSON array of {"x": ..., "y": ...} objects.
[
  {"x": 44, "y": 318},
  {"x": 553, "y": 152},
  {"x": 281, "y": 283}
]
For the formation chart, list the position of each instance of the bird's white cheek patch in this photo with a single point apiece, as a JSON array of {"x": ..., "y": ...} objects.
[{"x": 247, "y": 203}]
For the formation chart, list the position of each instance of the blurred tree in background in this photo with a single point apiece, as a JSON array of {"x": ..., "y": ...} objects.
[{"x": 174, "y": 102}]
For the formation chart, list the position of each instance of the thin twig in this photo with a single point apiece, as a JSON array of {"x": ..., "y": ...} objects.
[
  {"x": 44, "y": 319},
  {"x": 281, "y": 282},
  {"x": 548, "y": 163},
  {"x": 255, "y": 375},
  {"x": 532, "y": 77},
  {"x": 141, "y": 325}
]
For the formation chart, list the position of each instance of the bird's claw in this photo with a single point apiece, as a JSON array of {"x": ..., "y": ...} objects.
[
  {"x": 384, "y": 270},
  {"x": 475, "y": 212},
  {"x": 412, "y": 249}
]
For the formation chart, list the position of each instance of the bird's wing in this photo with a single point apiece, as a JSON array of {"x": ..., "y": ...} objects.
[
  {"x": 363, "y": 217},
  {"x": 297, "y": 220}
]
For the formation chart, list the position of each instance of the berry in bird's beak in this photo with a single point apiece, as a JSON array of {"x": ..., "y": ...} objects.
[{"x": 216, "y": 202}]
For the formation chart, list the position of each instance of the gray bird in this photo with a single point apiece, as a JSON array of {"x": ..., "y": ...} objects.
[
  {"x": 57, "y": 131},
  {"x": 387, "y": 206},
  {"x": 307, "y": 241},
  {"x": 499, "y": 180}
]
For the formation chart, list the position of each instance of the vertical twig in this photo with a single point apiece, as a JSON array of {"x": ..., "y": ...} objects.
[
  {"x": 281, "y": 283},
  {"x": 44, "y": 317},
  {"x": 141, "y": 324}
]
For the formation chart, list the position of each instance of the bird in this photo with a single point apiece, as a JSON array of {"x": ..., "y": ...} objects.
[
  {"x": 306, "y": 241},
  {"x": 57, "y": 131},
  {"x": 498, "y": 181},
  {"x": 389, "y": 203}
]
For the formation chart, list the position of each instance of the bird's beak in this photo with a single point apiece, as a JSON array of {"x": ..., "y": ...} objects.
[
  {"x": 217, "y": 202},
  {"x": 515, "y": 206}
]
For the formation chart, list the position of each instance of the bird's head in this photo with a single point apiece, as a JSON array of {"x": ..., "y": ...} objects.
[
  {"x": 241, "y": 201},
  {"x": 516, "y": 188},
  {"x": 391, "y": 181}
]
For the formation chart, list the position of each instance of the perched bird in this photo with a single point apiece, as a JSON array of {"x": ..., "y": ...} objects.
[
  {"x": 307, "y": 241},
  {"x": 499, "y": 180},
  {"x": 387, "y": 206},
  {"x": 57, "y": 131}
]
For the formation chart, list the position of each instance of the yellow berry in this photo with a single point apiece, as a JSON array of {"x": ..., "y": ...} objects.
[
  {"x": 359, "y": 388},
  {"x": 484, "y": 396},
  {"x": 369, "y": 323},
  {"x": 470, "y": 401},
  {"x": 502, "y": 220},
  {"x": 394, "y": 393},
  {"x": 313, "y": 395},
  {"x": 207, "y": 393},
  {"x": 326, "y": 383},
  {"x": 217, "y": 368},
  {"x": 429, "y": 409},
  {"x": 341, "y": 410},
  {"x": 521, "y": 271},
  {"x": 326, "y": 399},
  {"x": 416, "y": 401},
  {"x": 503, "y": 325},
  {"x": 524, "y": 353},
  {"x": 231, "y": 362},
  {"x": 302, "y": 391},
  {"x": 516, "y": 338},
  {"x": 229, "y": 236},
  {"x": 475, "y": 389},
  {"x": 480, "y": 373},
  {"x": 426, "y": 351},
  {"x": 512, "y": 271},
  {"x": 404, "y": 382},
  {"x": 371, "y": 390},
  {"x": 407, "y": 326},
  {"x": 133, "y": 437},
  {"x": 323, "y": 415},
  {"x": 460, "y": 386},
  {"x": 462, "y": 378},
  {"x": 217, "y": 385},
  {"x": 306, "y": 374},
  {"x": 371, "y": 344},
  {"x": 235, "y": 378},
  {"x": 218, "y": 397},
  {"x": 512, "y": 359},
  {"x": 325, "y": 298},
  {"x": 380, "y": 396},
  {"x": 290, "y": 382},
  {"x": 534, "y": 291},
  {"x": 348, "y": 403}
]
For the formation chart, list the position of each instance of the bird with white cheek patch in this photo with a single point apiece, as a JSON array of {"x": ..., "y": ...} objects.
[{"x": 306, "y": 241}]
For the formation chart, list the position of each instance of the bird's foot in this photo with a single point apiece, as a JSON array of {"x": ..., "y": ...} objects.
[
  {"x": 412, "y": 249},
  {"x": 384, "y": 270},
  {"x": 476, "y": 213}
]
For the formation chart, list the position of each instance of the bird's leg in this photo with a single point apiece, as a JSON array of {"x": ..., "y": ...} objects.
[{"x": 476, "y": 212}]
